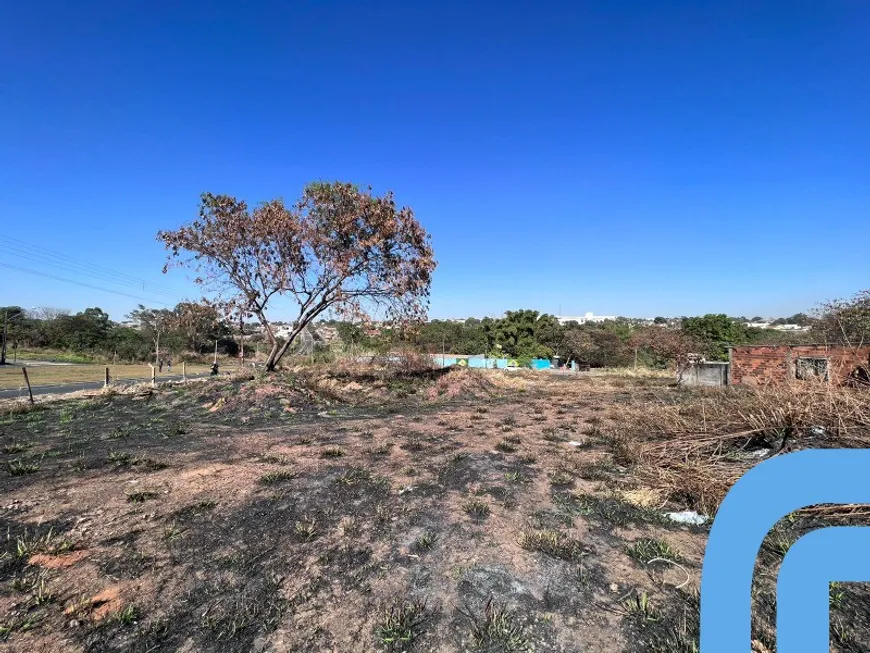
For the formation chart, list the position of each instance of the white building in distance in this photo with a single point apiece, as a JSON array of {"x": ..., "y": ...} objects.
[{"x": 588, "y": 318}]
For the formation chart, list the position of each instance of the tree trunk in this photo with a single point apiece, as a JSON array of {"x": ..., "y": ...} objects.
[
  {"x": 273, "y": 357},
  {"x": 278, "y": 351},
  {"x": 302, "y": 323}
]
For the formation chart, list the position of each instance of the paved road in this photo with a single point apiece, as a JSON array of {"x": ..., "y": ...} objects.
[{"x": 64, "y": 388}]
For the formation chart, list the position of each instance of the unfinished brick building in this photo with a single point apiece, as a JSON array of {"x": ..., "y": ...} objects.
[{"x": 762, "y": 364}]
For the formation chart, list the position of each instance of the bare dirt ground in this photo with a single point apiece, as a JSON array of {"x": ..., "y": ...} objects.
[{"x": 420, "y": 512}]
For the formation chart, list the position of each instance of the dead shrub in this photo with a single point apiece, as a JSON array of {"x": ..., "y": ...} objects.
[
  {"x": 459, "y": 382},
  {"x": 693, "y": 444}
]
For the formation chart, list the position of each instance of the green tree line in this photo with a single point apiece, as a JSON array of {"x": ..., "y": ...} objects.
[
  {"x": 189, "y": 327},
  {"x": 521, "y": 335},
  {"x": 526, "y": 334}
]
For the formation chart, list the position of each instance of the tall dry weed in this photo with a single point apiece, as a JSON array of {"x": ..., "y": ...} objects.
[{"x": 693, "y": 444}]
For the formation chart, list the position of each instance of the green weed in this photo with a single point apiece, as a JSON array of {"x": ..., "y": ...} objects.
[
  {"x": 21, "y": 467},
  {"x": 306, "y": 528},
  {"x": 400, "y": 623},
  {"x": 646, "y": 549},
  {"x": 30, "y": 544},
  {"x": 496, "y": 630},
  {"x": 553, "y": 543},
  {"x": 560, "y": 477},
  {"x": 640, "y": 607},
  {"x": 127, "y": 615},
  {"x": 425, "y": 542},
  {"x": 273, "y": 478},
  {"x": 476, "y": 509}
]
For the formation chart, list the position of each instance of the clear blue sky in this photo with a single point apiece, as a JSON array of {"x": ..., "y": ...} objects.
[{"x": 635, "y": 158}]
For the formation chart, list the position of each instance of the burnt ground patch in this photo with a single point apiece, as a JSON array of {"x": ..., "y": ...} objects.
[{"x": 499, "y": 516}]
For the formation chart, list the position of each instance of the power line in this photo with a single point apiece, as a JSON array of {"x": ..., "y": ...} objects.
[
  {"x": 81, "y": 283},
  {"x": 69, "y": 263},
  {"x": 43, "y": 256},
  {"x": 99, "y": 277},
  {"x": 79, "y": 262}
]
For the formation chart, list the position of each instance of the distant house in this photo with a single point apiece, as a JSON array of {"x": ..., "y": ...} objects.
[
  {"x": 588, "y": 318},
  {"x": 283, "y": 331},
  {"x": 776, "y": 327},
  {"x": 325, "y": 333},
  {"x": 790, "y": 327},
  {"x": 764, "y": 364},
  {"x": 780, "y": 364}
]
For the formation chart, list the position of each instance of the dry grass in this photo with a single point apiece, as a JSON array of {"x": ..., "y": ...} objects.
[
  {"x": 210, "y": 508},
  {"x": 11, "y": 378},
  {"x": 630, "y": 373},
  {"x": 468, "y": 383},
  {"x": 693, "y": 445}
]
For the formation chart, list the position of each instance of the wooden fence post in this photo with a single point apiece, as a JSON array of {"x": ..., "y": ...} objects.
[
  {"x": 27, "y": 381},
  {"x": 183, "y": 371},
  {"x": 107, "y": 378},
  {"x": 153, "y": 375}
]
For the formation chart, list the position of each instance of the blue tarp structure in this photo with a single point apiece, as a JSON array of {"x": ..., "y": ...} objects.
[{"x": 484, "y": 362}]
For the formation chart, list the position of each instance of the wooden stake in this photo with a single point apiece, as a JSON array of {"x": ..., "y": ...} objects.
[
  {"x": 153, "y": 374},
  {"x": 183, "y": 371},
  {"x": 27, "y": 381},
  {"x": 107, "y": 378}
]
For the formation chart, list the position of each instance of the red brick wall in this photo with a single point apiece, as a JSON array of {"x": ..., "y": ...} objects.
[{"x": 760, "y": 364}]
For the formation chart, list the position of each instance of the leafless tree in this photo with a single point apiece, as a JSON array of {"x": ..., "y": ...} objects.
[
  {"x": 844, "y": 322},
  {"x": 47, "y": 313},
  {"x": 338, "y": 248}
]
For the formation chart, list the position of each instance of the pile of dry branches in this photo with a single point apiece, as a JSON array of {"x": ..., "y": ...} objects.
[{"x": 694, "y": 444}]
